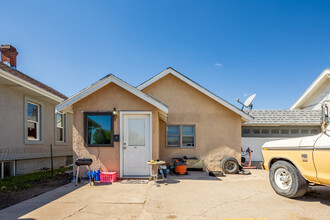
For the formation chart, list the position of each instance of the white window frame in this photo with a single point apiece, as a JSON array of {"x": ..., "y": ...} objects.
[
  {"x": 35, "y": 122},
  {"x": 63, "y": 127},
  {"x": 39, "y": 139},
  {"x": 181, "y": 136}
]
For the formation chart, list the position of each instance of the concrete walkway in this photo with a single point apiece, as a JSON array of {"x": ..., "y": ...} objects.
[{"x": 196, "y": 196}]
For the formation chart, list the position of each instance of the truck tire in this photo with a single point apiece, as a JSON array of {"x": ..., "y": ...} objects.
[
  {"x": 229, "y": 165},
  {"x": 286, "y": 180}
]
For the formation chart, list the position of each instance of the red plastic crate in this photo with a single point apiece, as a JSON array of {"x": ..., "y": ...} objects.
[{"x": 108, "y": 177}]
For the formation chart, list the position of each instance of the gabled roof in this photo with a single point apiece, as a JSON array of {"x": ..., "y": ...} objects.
[
  {"x": 285, "y": 117},
  {"x": 67, "y": 104},
  {"x": 325, "y": 75},
  {"x": 190, "y": 82},
  {"x": 30, "y": 83}
]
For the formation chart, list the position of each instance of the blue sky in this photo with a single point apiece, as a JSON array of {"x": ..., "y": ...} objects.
[{"x": 233, "y": 48}]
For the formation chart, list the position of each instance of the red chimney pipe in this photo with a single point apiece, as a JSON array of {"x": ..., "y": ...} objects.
[{"x": 8, "y": 55}]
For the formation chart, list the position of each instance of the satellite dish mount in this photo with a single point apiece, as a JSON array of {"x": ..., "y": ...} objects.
[{"x": 248, "y": 103}]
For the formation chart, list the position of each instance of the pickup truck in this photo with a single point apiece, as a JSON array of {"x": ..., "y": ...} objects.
[{"x": 296, "y": 163}]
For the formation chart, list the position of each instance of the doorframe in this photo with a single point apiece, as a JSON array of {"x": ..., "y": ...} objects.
[{"x": 121, "y": 134}]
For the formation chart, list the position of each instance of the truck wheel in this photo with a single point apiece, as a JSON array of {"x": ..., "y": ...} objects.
[
  {"x": 229, "y": 165},
  {"x": 286, "y": 180}
]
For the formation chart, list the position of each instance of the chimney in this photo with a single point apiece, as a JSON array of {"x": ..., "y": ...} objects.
[{"x": 8, "y": 55}]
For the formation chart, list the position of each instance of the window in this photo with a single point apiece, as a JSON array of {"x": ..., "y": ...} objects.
[
  {"x": 304, "y": 131},
  {"x": 275, "y": 131},
  {"x": 7, "y": 169},
  {"x": 284, "y": 131},
  {"x": 173, "y": 136},
  {"x": 255, "y": 131},
  {"x": 264, "y": 131},
  {"x": 33, "y": 121},
  {"x": 60, "y": 127},
  {"x": 294, "y": 131},
  {"x": 181, "y": 136},
  {"x": 246, "y": 131},
  {"x": 98, "y": 129},
  {"x": 315, "y": 131}
]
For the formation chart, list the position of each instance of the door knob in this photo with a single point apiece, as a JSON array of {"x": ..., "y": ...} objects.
[{"x": 124, "y": 148}]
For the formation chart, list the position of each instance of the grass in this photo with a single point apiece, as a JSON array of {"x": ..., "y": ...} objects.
[{"x": 21, "y": 182}]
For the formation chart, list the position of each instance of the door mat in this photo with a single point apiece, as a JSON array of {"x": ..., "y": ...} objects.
[{"x": 134, "y": 181}]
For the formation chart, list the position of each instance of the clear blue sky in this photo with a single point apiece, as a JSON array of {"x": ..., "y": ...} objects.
[{"x": 233, "y": 48}]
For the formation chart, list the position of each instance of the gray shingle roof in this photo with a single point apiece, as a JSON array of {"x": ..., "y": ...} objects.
[{"x": 285, "y": 117}]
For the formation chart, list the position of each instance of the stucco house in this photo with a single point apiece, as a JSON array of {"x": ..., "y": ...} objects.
[
  {"x": 29, "y": 123},
  {"x": 302, "y": 119},
  {"x": 165, "y": 117}
]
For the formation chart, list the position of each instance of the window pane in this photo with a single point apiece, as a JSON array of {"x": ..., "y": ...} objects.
[
  {"x": 246, "y": 131},
  {"x": 32, "y": 130},
  {"x": 59, "y": 134},
  {"x": 173, "y": 141},
  {"x": 284, "y": 131},
  {"x": 188, "y": 130},
  {"x": 255, "y": 131},
  {"x": 172, "y": 130},
  {"x": 294, "y": 131},
  {"x": 33, "y": 112},
  {"x": 275, "y": 131},
  {"x": 314, "y": 131},
  {"x": 265, "y": 131},
  {"x": 304, "y": 131},
  {"x": 59, "y": 120},
  {"x": 99, "y": 129},
  {"x": 136, "y": 132},
  {"x": 188, "y": 141}
]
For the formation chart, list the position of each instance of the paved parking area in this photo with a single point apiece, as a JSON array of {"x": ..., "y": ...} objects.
[{"x": 196, "y": 196}]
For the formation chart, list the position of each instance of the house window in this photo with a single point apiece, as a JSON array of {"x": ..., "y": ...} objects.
[
  {"x": 7, "y": 169},
  {"x": 181, "y": 136},
  {"x": 33, "y": 121},
  {"x": 98, "y": 129},
  {"x": 275, "y": 131},
  {"x": 60, "y": 127}
]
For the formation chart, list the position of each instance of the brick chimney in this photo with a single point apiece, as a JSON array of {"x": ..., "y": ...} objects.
[{"x": 8, "y": 55}]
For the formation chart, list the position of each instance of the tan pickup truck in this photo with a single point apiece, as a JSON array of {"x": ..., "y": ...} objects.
[{"x": 295, "y": 163}]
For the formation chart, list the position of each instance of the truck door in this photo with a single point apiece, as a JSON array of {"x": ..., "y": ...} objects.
[{"x": 321, "y": 158}]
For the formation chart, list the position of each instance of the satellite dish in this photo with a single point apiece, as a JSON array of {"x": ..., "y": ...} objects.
[{"x": 248, "y": 102}]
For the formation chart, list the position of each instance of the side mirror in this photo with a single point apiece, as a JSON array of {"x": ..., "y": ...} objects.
[{"x": 325, "y": 116}]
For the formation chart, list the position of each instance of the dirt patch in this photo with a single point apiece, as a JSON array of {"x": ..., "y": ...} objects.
[{"x": 41, "y": 186}]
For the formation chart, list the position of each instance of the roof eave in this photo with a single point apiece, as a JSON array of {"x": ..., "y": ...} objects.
[
  {"x": 245, "y": 117},
  {"x": 30, "y": 86},
  {"x": 325, "y": 73}
]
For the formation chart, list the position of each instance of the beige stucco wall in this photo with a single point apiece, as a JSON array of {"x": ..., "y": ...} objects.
[
  {"x": 218, "y": 129},
  {"x": 12, "y": 144},
  {"x": 105, "y": 99}
]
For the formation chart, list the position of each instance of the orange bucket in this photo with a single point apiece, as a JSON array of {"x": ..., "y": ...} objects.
[{"x": 181, "y": 169}]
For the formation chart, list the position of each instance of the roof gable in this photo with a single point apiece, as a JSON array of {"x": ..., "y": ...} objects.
[
  {"x": 322, "y": 78},
  {"x": 67, "y": 104},
  {"x": 193, "y": 84}
]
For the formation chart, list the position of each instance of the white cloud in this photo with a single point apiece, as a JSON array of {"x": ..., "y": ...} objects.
[{"x": 217, "y": 64}]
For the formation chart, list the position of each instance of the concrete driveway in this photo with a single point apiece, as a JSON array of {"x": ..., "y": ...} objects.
[{"x": 196, "y": 196}]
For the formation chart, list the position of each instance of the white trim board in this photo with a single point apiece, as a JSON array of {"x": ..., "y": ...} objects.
[
  {"x": 321, "y": 78},
  {"x": 67, "y": 104},
  {"x": 30, "y": 86},
  {"x": 121, "y": 134},
  {"x": 170, "y": 70}
]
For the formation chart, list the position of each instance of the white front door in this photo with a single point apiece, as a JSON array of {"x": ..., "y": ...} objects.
[{"x": 136, "y": 144}]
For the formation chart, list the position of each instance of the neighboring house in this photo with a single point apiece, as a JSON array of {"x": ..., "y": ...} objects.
[
  {"x": 29, "y": 123},
  {"x": 270, "y": 125},
  {"x": 303, "y": 118},
  {"x": 168, "y": 116}
]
